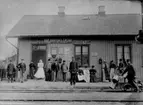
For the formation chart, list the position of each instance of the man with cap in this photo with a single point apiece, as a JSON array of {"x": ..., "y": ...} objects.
[{"x": 22, "y": 69}]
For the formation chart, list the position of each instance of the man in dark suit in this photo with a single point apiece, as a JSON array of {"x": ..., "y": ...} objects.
[
  {"x": 54, "y": 67},
  {"x": 73, "y": 68},
  {"x": 22, "y": 68},
  {"x": 48, "y": 71},
  {"x": 130, "y": 75},
  {"x": 10, "y": 71}
]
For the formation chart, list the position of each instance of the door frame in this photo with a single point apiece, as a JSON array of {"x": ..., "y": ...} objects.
[{"x": 44, "y": 50}]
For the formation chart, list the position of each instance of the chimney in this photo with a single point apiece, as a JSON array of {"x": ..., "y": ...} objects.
[
  {"x": 61, "y": 11},
  {"x": 101, "y": 10}
]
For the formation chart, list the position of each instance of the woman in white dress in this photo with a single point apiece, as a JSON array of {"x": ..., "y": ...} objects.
[{"x": 40, "y": 72}]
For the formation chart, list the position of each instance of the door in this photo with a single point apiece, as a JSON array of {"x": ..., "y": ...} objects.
[{"x": 39, "y": 52}]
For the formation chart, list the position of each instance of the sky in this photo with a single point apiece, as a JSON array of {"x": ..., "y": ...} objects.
[{"x": 11, "y": 11}]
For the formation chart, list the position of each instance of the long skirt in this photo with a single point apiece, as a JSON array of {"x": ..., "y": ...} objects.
[
  {"x": 40, "y": 73},
  {"x": 60, "y": 76},
  {"x": 112, "y": 70}
]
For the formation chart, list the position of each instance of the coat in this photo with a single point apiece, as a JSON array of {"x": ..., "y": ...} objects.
[
  {"x": 54, "y": 67},
  {"x": 22, "y": 67},
  {"x": 10, "y": 68},
  {"x": 130, "y": 72},
  {"x": 73, "y": 68}
]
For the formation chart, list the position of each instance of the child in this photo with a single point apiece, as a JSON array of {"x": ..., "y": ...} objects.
[{"x": 92, "y": 74}]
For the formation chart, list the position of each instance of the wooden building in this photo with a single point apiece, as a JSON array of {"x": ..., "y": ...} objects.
[{"x": 86, "y": 37}]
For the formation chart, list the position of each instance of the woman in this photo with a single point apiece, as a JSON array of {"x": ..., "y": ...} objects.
[
  {"x": 106, "y": 75},
  {"x": 112, "y": 70},
  {"x": 40, "y": 72}
]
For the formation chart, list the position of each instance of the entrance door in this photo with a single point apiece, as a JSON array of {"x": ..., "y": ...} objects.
[{"x": 38, "y": 52}]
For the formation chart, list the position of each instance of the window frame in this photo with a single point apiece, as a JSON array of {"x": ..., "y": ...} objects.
[
  {"x": 123, "y": 51},
  {"x": 82, "y": 45}
]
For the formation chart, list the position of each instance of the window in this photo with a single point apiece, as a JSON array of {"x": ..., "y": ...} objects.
[
  {"x": 82, "y": 54},
  {"x": 123, "y": 52},
  {"x": 38, "y": 47}
]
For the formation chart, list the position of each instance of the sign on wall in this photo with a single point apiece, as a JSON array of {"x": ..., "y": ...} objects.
[{"x": 61, "y": 41}]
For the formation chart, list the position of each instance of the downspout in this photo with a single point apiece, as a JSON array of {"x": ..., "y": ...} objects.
[
  {"x": 15, "y": 47},
  {"x": 142, "y": 13}
]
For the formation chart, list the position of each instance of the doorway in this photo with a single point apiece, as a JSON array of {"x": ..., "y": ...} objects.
[{"x": 38, "y": 52}]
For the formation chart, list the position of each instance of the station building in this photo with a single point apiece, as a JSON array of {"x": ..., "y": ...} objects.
[{"x": 86, "y": 37}]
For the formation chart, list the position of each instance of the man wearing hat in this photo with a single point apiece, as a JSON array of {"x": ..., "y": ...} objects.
[
  {"x": 22, "y": 68},
  {"x": 73, "y": 68},
  {"x": 10, "y": 71}
]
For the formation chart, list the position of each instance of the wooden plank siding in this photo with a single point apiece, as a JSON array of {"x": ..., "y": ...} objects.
[
  {"x": 107, "y": 51},
  {"x": 98, "y": 49}
]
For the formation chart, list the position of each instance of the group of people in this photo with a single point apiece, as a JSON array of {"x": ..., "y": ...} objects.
[
  {"x": 124, "y": 69},
  {"x": 10, "y": 71},
  {"x": 52, "y": 71},
  {"x": 57, "y": 69}
]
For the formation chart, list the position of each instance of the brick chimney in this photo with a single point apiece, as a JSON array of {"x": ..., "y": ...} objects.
[
  {"x": 61, "y": 11},
  {"x": 101, "y": 10}
]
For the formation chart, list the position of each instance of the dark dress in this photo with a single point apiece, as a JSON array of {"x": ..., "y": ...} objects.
[
  {"x": 32, "y": 70},
  {"x": 92, "y": 75},
  {"x": 10, "y": 72},
  {"x": 107, "y": 76}
]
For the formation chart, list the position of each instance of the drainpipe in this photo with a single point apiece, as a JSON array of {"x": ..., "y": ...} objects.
[
  {"x": 15, "y": 47},
  {"x": 142, "y": 12}
]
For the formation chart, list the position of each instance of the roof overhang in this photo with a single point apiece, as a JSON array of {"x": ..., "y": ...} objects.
[{"x": 80, "y": 37}]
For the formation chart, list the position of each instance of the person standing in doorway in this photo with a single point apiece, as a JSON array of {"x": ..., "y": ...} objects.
[
  {"x": 10, "y": 71},
  {"x": 22, "y": 68},
  {"x": 64, "y": 70},
  {"x": 73, "y": 68},
  {"x": 32, "y": 69},
  {"x": 40, "y": 74}
]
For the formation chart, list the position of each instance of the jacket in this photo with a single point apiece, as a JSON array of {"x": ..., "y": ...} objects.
[
  {"x": 10, "y": 68},
  {"x": 73, "y": 68}
]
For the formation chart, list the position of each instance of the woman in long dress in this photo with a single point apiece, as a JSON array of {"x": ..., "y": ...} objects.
[{"x": 40, "y": 72}]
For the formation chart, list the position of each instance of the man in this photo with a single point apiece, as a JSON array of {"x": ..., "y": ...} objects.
[
  {"x": 48, "y": 72},
  {"x": 64, "y": 70},
  {"x": 54, "y": 68},
  {"x": 130, "y": 75},
  {"x": 22, "y": 68},
  {"x": 32, "y": 69},
  {"x": 10, "y": 71},
  {"x": 121, "y": 66},
  {"x": 2, "y": 70},
  {"x": 73, "y": 68}
]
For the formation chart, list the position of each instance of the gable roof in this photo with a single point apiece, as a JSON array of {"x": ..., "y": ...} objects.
[{"x": 46, "y": 25}]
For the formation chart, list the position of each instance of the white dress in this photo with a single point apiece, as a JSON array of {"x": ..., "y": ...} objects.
[{"x": 40, "y": 72}]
